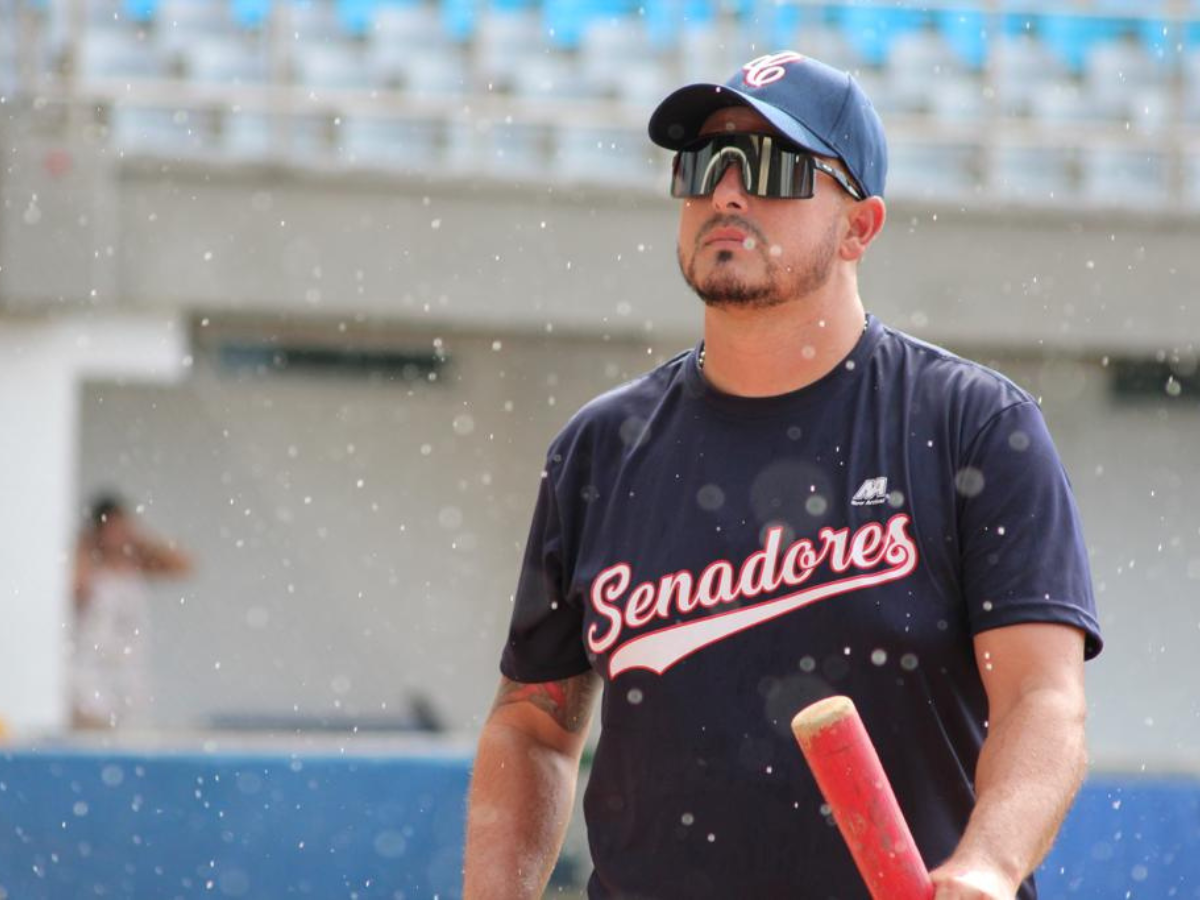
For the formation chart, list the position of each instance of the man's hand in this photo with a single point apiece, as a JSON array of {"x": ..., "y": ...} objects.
[{"x": 954, "y": 881}]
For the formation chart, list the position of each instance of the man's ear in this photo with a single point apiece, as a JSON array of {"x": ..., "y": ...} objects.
[{"x": 865, "y": 218}]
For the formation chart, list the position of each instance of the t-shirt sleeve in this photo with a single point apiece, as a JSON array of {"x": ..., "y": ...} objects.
[
  {"x": 545, "y": 636},
  {"x": 1023, "y": 553}
]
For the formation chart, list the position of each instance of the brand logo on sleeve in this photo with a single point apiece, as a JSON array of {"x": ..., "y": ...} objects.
[
  {"x": 874, "y": 554},
  {"x": 872, "y": 491}
]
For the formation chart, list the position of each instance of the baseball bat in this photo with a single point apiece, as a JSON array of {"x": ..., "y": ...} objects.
[{"x": 848, "y": 771}]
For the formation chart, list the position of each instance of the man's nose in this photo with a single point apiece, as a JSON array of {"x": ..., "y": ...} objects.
[{"x": 729, "y": 191}]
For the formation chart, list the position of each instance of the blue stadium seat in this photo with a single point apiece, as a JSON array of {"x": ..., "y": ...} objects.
[
  {"x": 502, "y": 40},
  {"x": 871, "y": 29},
  {"x": 1072, "y": 37},
  {"x": 1119, "y": 75},
  {"x": 140, "y": 10},
  {"x": 827, "y": 43},
  {"x": 919, "y": 60},
  {"x": 774, "y": 26},
  {"x": 180, "y": 23},
  {"x": 665, "y": 19},
  {"x": 250, "y": 13},
  {"x": 565, "y": 20},
  {"x": 458, "y": 18},
  {"x": 549, "y": 75},
  {"x": 608, "y": 45},
  {"x": 966, "y": 32},
  {"x": 312, "y": 20},
  {"x": 706, "y": 52},
  {"x": 1021, "y": 67},
  {"x": 403, "y": 40},
  {"x": 355, "y": 16}
]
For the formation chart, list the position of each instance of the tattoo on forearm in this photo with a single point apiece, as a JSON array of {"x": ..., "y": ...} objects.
[{"x": 567, "y": 701}]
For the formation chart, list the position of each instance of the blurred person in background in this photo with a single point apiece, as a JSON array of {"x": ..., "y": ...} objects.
[{"x": 114, "y": 559}]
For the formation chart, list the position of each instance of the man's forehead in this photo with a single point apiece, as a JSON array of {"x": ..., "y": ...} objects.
[{"x": 737, "y": 118}]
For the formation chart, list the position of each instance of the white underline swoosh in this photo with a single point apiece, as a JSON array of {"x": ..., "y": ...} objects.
[{"x": 659, "y": 650}]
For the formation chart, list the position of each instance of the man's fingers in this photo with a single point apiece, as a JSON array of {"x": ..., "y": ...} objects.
[{"x": 971, "y": 884}]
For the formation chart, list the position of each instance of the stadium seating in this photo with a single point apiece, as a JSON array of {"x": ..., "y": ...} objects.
[{"x": 1041, "y": 63}]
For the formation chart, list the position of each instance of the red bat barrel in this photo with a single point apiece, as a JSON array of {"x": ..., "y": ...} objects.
[{"x": 847, "y": 768}]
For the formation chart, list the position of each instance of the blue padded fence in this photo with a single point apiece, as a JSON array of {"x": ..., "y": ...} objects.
[
  {"x": 77, "y": 824},
  {"x": 88, "y": 823}
]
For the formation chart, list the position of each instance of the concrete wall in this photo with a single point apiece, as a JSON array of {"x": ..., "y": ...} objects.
[
  {"x": 187, "y": 236},
  {"x": 355, "y": 542}
]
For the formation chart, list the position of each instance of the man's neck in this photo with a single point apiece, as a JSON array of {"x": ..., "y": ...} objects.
[{"x": 766, "y": 352}]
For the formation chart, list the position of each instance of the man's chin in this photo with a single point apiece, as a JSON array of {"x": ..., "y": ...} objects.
[{"x": 735, "y": 295}]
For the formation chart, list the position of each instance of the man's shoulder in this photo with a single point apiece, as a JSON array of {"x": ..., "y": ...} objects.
[
  {"x": 940, "y": 375},
  {"x": 622, "y": 413}
]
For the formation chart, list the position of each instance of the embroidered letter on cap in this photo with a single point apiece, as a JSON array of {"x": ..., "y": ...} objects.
[{"x": 769, "y": 68}]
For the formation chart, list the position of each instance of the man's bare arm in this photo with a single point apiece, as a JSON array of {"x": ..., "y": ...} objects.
[
  {"x": 523, "y": 785},
  {"x": 1031, "y": 764}
]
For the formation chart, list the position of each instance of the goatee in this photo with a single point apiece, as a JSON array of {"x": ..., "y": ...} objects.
[{"x": 723, "y": 288}]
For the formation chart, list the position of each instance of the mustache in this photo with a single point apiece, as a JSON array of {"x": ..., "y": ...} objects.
[{"x": 731, "y": 221}]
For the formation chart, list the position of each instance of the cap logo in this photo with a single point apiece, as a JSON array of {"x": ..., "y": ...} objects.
[{"x": 767, "y": 69}]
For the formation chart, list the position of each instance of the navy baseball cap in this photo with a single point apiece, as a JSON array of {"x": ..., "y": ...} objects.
[{"x": 816, "y": 106}]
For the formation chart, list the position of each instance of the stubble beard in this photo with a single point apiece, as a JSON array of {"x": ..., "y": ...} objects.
[{"x": 724, "y": 288}]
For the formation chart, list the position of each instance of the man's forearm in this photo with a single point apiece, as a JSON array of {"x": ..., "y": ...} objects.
[
  {"x": 522, "y": 792},
  {"x": 1030, "y": 768}
]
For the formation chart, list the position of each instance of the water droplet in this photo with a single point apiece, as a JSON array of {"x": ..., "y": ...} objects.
[
  {"x": 879, "y": 656},
  {"x": 710, "y": 497},
  {"x": 969, "y": 481},
  {"x": 634, "y": 696},
  {"x": 390, "y": 844},
  {"x": 909, "y": 662}
]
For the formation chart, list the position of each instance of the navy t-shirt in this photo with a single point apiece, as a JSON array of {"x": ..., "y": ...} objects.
[{"x": 723, "y": 561}]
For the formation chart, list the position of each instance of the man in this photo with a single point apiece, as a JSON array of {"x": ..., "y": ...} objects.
[{"x": 809, "y": 503}]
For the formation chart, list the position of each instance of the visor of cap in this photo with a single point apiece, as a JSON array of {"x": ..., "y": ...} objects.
[{"x": 678, "y": 119}]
